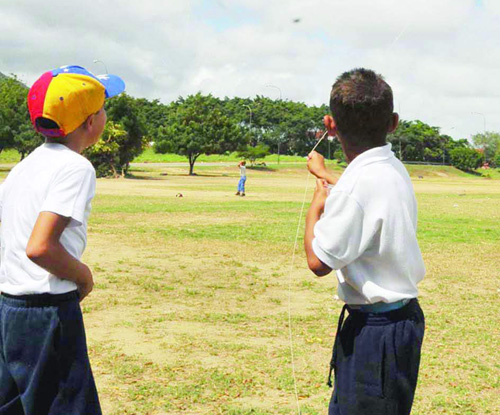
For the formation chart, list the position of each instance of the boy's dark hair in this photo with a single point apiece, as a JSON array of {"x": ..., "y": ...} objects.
[
  {"x": 47, "y": 127},
  {"x": 46, "y": 123},
  {"x": 361, "y": 103}
]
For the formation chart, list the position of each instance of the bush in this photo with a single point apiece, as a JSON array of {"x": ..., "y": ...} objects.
[
  {"x": 254, "y": 153},
  {"x": 339, "y": 156},
  {"x": 466, "y": 159}
]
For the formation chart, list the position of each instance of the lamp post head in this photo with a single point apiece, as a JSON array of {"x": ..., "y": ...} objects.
[{"x": 105, "y": 67}]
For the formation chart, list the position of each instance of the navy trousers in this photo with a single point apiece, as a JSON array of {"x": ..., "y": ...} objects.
[
  {"x": 44, "y": 365},
  {"x": 376, "y": 361}
]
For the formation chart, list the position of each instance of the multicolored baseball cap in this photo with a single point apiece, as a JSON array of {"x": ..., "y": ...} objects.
[{"x": 67, "y": 96}]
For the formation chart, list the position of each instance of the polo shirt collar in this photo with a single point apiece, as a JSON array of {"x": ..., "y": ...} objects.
[{"x": 374, "y": 155}]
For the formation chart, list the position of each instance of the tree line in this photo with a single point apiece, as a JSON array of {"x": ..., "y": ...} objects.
[{"x": 204, "y": 124}]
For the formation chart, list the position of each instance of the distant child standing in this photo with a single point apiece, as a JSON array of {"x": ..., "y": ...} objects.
[
  {"x": 365, "y": 228},
  {"x": 243, "y": 178},
  {"x": 45, "y": 203}
]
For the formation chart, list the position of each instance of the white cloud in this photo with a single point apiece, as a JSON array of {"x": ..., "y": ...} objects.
[{"x": 440, "y": 56}]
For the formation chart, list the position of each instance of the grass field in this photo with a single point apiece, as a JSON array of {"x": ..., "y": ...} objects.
[{"x": 190, "y": 310}]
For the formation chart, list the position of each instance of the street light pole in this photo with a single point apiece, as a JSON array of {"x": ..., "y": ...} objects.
[
  {"x": 279, "y": 142},
  {"x": 105, "y": 67},
  {"x": 249, "y": 109},
  {"x": 250, "y": 125},
  {"x": 275, "y": 87}
]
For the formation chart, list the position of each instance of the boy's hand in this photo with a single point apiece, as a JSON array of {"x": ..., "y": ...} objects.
[
  {"x": 313, "y": 216},
  {"x": 320, "y": 195},
  {"x": 86, "y": 286},
  {"x": 316, "y": 164},
  {"x": 45, "y": 249}
]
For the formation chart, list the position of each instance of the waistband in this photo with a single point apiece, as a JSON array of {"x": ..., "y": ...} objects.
[
  {"x": 379, "y": 307},
  {"x": 378, "y": 314},
  {"x": 38, "y": 300}
]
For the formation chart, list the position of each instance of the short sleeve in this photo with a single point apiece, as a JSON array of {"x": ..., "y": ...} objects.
[
  {"x": 70, "y": 194},
  {"x": 340, "y": 236}
]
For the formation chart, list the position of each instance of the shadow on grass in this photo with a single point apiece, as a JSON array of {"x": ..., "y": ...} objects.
[
  {"x": 160, "y": 176},
  {"x": 204, "y": 175},
  {"x": 261, "y": 168},
  {"x": 134, "y": 177}
]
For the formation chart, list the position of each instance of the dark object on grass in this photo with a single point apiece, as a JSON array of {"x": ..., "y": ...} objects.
[{"x": 179, "y": 195}]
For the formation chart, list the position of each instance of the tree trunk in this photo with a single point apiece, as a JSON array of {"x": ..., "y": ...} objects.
[
  {"x": 115, "y": 173},
  {"x": 192, "y": 158}
]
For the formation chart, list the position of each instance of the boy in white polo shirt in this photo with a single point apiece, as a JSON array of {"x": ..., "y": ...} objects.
[
  {"x": 365, "y": 229},
  {"x": 44, "y": 208}
]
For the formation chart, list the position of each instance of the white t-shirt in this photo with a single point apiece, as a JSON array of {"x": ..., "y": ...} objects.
[
  {"x": 51, "y": 179},
  {"x": 368, "y": 231},
  {"x": 243, "y": 171}
]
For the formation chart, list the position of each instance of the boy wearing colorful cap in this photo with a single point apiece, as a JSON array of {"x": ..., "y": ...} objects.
[
  {"x": 45, "y": 203},
  {"x": 365, "y": 228}
]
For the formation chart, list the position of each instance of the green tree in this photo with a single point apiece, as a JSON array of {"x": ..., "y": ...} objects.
[
  {"x": 417, "y": 141},
  {"x": 496, "y": 160},
  {"x": 467, "y": 159},
  {"x": 16, "y": 130},
  {"x": 287, "y": 127},
  {"x": 153, "y": 115},
  {"x": 489, "y": 141},
  {"x": 197, "y": 125},
  {"x": 125, "y": 111},
  {"x": 105, "y": 154}
]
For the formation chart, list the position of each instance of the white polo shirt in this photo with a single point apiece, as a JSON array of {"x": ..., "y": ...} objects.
[
  {"x": 55, "y": 179},
  {"x": 368, "y": 231}
]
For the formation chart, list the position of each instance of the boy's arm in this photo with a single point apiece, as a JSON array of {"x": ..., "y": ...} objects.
[
  {"x": 45, "y": 250},
  {"x": 313, "y": 215}
]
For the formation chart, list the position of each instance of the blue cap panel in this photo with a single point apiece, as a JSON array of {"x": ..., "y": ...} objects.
[
  {"x": 72, "y": 69},
  {"x": 114, "y": 84}
]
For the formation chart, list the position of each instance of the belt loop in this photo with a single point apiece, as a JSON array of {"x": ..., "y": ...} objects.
[{"x": 333, "y": 362}]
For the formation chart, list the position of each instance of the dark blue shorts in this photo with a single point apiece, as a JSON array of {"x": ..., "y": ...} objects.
[
  {"x": 376, "y": 362},
  {"x": 44, "y": 365}
]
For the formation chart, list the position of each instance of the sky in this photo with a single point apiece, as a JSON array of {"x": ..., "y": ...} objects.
[{"x": 441, "y": 57}]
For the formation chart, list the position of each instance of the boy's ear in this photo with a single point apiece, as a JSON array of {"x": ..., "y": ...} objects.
[
  {"x": 89, "y": 122},
  {"x": 330, "y": 125},
  {"x": 394, "y": 122}
]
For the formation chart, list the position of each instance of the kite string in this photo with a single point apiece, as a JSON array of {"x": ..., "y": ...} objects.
[
  {"x": 290, "y": 331},
  {"x": 396, "y": 39}
]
